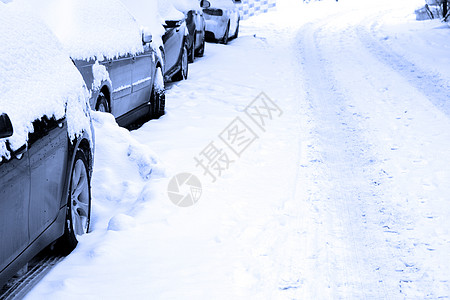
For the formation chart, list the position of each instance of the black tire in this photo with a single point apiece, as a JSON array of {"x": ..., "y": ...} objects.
[
  {"x": 183, "y": 72},
  {"x": 158, "y": 100},
  {"x": 192, "y": 51},
  {"x": 236, "y": 33},
  {"x": 102, "y": 104},
  {"x": 225, "y": 36},
  {"x": 201, "y": 51},
  {"x": 78, "y": 204}
]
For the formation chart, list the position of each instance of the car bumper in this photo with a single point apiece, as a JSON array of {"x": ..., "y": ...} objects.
[{"x": 215, "y": 28}]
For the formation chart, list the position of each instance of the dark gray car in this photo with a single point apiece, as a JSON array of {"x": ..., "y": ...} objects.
[
  {"x": 132, "y": 91},
  {"x": 117, "y": 60},
  {"x": 46, "y": 143}
]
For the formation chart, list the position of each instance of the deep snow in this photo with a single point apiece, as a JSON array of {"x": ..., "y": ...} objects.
[{"x": 345, "y": 195}]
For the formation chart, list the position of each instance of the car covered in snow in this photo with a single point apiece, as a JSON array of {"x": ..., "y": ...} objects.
[
  {"x": 154, "y": 13},
  {"x": 222, "y": 20},
  {"x": 119, "y": 62},
  {"x": 46, "y": 142},
  {"x": 195, "y": 23}
]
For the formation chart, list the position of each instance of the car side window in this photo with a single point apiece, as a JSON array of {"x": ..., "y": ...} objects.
[{"x": 42, "y": 127}]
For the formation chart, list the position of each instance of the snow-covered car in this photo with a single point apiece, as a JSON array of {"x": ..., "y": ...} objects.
[
  {"x": 46, "y": 142},
  {"x": 154, "y": 13},
  {"x": 195, "y": 23},
  {"x": 117, "y": 59},
  {"x": 176, "y": 50},
  {"x": 222, "y": 20}
]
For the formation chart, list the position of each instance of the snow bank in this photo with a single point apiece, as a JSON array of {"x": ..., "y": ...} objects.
[
  {"x": 37, "y": 77},
  {"x": 89, "y": 29},
  {"x": 136, "y": 161}
]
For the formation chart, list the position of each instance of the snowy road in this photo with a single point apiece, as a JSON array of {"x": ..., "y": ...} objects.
[
  {"x": 377, "y": 132},
  {"x": 345, "y": 195}
]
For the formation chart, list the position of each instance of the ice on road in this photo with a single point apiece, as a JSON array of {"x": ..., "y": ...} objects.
[{"x": 343, "y": 194}]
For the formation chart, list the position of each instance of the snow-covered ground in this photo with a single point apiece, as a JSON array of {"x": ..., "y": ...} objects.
[{"x": 343, "y": 194}]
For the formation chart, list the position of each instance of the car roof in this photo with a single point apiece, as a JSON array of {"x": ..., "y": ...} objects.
[
  {"x": 91, "y": 29},
  {"x": 37, "y": 77}
]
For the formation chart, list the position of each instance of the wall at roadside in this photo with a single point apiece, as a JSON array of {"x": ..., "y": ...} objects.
[{"x": 249, "y": 8}]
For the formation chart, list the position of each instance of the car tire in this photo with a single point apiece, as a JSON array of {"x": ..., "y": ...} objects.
[
  {"x": 192, "y": 51},
  {"x": 201, "y": 51},
  {"x": 102, "y": 104},
  {"x": 236, "y": 33},
  {"x": 78, "y": 204},
  {"x": 183, "y": 72},
  {"x": 158, "y": 100},
  {"x": 225, "y": 36}
]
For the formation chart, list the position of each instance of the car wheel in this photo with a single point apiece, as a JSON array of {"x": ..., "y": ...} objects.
[
  {"x": 158, "y": 100},
  {"x": 201, "y": 50},
  {"x": 78, "y": 204},
  {"x": 183, "y": 72},
  {"x": 236, "y": 33},
  {"x": 225, "y": 36},
  {"x": 192, "y": 51},
  {"x": 102, "y": 103}
]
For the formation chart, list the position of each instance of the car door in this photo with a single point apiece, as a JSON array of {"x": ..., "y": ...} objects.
[
  {"x": 199, "y": 27},
  {"x": 120, "y": 70},
  {"x": 142, "y": 72},
  {"x": 14, "y": 200},
  {"x": 48, "y": 152},
  {"x": 173, "y": 41}
]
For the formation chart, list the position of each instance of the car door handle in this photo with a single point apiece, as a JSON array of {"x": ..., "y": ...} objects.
[
  {"x": 133, "y": 58},
  {"x": 19, "y": 152}
]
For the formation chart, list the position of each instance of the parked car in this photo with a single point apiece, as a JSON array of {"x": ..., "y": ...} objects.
[
  {"x": 175, "y": 41},
  {"x": 176, "y": 50},
  {"x": 174, "y": 46},
  {"x": 222, "y": 20},
  {"x": 46, "y": 142},
  {"x": 195, "y": 23},
  {"x": 115, "y": 57}
]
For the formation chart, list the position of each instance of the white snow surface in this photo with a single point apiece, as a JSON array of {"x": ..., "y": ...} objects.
[
  {"x": 102, "y": 29},
  {"x": 147, "y": 15},
  {"x": 186, "y": 5},
  {"x": 224, "y": 4},
  {"x": 345, "y": 195},
  {"x": 168, "y": 11},
  {"x": 37, "y": 77}
]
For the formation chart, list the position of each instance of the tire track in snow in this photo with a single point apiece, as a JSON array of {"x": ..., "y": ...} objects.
[
  {"x": 374, "y": 115},
  {"x": 340, "y": 245},
  {"x": 430, "y": 84}
]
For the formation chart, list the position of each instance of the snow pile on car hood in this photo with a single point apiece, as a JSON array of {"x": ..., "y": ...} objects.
[
  {"x": 186, "y": 5},
  {"x": 37, "y": 78},
  {"x": 91, "y": 29}
]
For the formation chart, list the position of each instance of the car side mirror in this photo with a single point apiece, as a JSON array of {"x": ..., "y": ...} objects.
[
  {"x": 146, "y": 38},
  {"x": 205, "y": 4},
  {"x": 6, "y": 128}
]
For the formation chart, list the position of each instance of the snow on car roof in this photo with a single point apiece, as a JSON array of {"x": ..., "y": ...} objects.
[
  {"x": 91, "y": 28},
  {"x": 147, "y": 15},
  {"x": 186, "y": 5},
  {"x": 168, "y": 11},
  {"x": 37, "y": 77},
  {"x": 222, "y": 4}
]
